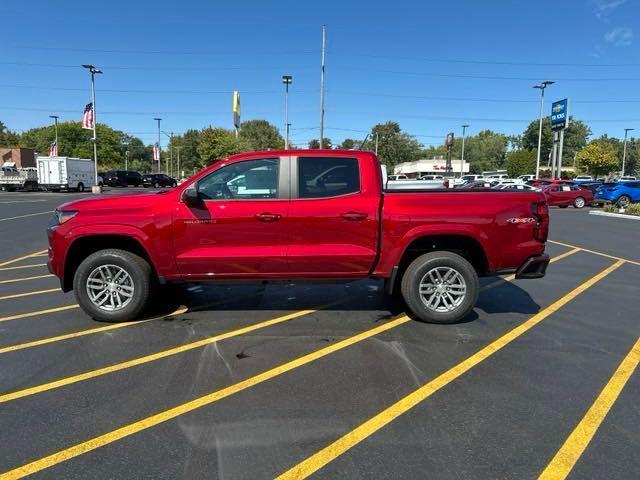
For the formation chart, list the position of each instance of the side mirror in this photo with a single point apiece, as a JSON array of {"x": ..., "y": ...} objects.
[{"x": 191, "y": 196}]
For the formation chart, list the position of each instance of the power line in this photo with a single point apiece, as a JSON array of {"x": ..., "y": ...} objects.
[
  {"x": 140, "y": 67},
  {"x": 337, "y": 53},
  {"x": 489, "y": 77},
  {"x": 115, "y": 90},
  {"x": 483, "y": 62}
]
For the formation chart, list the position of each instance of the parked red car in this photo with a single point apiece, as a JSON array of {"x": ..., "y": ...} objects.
[
  {"x": 542, "y": 182},
  {"x": 562, "y": 196},
  {"x": 303, "y": 215}
]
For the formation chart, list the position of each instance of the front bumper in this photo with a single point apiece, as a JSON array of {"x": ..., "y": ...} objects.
[{"x": 533, "y": 267}]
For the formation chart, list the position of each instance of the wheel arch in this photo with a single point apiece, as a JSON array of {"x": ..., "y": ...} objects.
[
  {"x": 85, "y": 245},
  {"x": 462, "y": 244}
]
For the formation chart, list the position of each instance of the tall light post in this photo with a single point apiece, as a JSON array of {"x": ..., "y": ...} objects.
[
  {"x": 541, "y": 86},
  {"x": 287, "y": 80},
  {"x": 94, "y": 71},
  {"x": 464, "y": 131},
  {"x": 55, "y": 120},
  {"x": 324, "y": 44},
  {"x": 179, "y": 176},
  {"x": 158, "y": 120},
  {"x": 624, "y": 149}
]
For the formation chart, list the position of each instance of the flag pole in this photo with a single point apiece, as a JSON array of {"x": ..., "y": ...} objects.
[{"x": 93, "y": 70}]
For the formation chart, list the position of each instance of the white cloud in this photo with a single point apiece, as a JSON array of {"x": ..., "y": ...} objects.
[
  {"x": 619, "y": 36},
  {"x": 603, "y": 8}
]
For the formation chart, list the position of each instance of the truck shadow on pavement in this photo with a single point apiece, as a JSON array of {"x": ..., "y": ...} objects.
[{"x": 358, "y": 296}]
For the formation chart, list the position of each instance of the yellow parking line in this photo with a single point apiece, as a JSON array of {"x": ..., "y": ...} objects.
[
  {"x": 13, "y": 280},
  {"x": 148, "y": 358},
  {"x": 14, "y": 260},
  {"x": 571, "y": 451},
  {"x": 318, "y": 460},
  {"x": 164, "y": 416},
  {"x": 23, "y": 266},
  {"x": 38, "y": 312},
  {"x": 595, "y": 252},
  {"x": 27, "y": 294},
  {"x": 509, "y": 278},
  {"x": 82, "y": 333}
]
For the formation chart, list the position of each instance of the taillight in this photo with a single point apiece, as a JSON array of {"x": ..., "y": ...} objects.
[{"x": 541, "y": 212}]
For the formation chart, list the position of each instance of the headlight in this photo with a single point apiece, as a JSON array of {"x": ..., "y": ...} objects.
[{"x": 64, "y": 216}]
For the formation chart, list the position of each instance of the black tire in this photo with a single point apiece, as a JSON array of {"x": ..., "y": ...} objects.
[
  {"x": 137, "y": 268},
  {"x": 624, "y": 201},
  {"x": 80, "y": 187},
  {"x": 156, "y": 185},
  {"x": 413, "y": 275},
  {"x": 174, "y": 185},
  {"x": 579, "y": 202}
]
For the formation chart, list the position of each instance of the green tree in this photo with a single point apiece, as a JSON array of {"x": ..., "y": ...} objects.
[
  {"x": 575, "y": 138},
  {"x": 187, "y": 144},
  {"x": 598, "y": 158},
  {"x": 7, "y": 137},
  {"x": 350, "y": 144},
  {"x": 315, "y": 143},
  {"x": 74, "y": 141},
  {"x": 261, "y": 135},
  {"x": 395, "y": 146},
  {"x": 217, "y": 143},
  {"x": 521, "y": 162}
]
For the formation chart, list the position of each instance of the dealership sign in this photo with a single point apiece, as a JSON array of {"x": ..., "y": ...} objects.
[{"x": 560, "y": 114}]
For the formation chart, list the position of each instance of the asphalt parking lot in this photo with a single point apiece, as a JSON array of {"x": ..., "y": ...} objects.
[{"x": 323, "y": 380}]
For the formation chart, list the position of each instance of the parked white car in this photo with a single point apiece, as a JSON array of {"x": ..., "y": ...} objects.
[{"x": 517, "y": 186}]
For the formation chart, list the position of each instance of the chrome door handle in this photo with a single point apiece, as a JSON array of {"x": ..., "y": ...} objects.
[
  {"x": 354, "y": 216},
  {"x": 268, "y": 217}
]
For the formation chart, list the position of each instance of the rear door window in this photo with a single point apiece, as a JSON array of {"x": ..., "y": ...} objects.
[{"x": 322, "y": 177}]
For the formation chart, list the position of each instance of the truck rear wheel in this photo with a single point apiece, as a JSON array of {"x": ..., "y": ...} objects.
[
  {"x": 113, "y": 285},
  {"x": 440, "y": 287}
]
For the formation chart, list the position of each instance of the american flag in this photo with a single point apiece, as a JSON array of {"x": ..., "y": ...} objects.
[
  {"x": 53, "y": 149},
  {"x": 87, "y": 117},
  {"x": 156, "y": 152}
]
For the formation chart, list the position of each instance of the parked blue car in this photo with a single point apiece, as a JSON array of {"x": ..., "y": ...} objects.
[{"x": 621, "y": 193}]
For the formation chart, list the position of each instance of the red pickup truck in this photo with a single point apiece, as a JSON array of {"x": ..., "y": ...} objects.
[{"x": 296, "y": 215}]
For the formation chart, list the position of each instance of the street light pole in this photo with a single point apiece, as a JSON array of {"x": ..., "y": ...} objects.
[
  {"x": 541, "y": 86},
  {"x": 55, "y": 119},
  {"x": 158, "y": 120},
  {"x": 464, "y": 131},
  {"x": 324, "y": 43},
  {"x": 624, "y": 149},
  {"x": 93, "y": 70},
  {"x": 287, "y": 80}
]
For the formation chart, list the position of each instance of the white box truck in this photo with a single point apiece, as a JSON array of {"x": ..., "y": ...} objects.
[{"x": 57, "y": 173}]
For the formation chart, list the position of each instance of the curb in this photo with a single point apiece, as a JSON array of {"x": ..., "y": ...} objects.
[{"x": 615, "y": 215}]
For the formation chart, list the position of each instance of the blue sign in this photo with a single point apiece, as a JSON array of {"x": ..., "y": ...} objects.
[{"x": 560, "y": 114}]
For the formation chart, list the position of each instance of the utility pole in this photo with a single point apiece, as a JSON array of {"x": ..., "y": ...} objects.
[
  {"x": 541, "y": 86},
  {"x": 159, "y": 151},
  {"x": 324, "y": 44},
  {"x": 126, "y": 160},
  {"x": 287, "y": 80},
  {"x": 93, "y": 70},
  {"x": 464, "y": 130},
  {"x": 55, "y": 119},
  {"x": 624, "y": 149},
  {"x": 179, "y": 173}
]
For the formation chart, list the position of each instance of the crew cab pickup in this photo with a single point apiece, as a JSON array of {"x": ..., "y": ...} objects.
[{"x": 296, "y": 215}]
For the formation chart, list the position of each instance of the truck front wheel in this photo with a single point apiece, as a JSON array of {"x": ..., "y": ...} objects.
[
  {"x": 440, "y": 287},
  {"x": 113, "y": 285}
]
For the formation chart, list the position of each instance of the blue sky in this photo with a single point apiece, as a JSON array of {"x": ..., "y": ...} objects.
[{"x": 425, "y": 64}]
